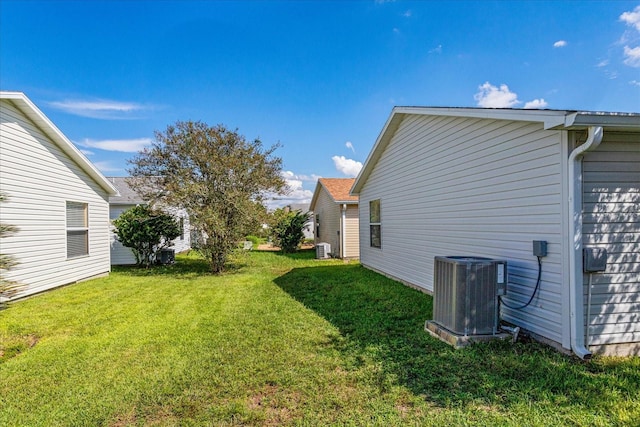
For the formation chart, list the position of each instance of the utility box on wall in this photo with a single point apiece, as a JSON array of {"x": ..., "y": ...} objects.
[{"x": 465, "y": 294}]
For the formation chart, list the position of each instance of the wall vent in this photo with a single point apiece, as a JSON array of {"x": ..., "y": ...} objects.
[
  {"x": 323, "y": 250},
  {"x": 465, "y": 294}
]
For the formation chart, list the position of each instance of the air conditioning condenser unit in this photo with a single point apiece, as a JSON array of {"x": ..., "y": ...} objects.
[
  {"x": 465, "y": 294},
  {"x": 323, "y": 250}
]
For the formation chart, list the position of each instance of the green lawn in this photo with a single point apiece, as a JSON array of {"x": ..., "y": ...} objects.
[{"x": 280, "y": 340}]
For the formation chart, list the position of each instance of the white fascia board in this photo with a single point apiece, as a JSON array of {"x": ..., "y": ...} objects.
[
  {"x": 30, "y": 110},
  {"x": 316, "y": 194}
]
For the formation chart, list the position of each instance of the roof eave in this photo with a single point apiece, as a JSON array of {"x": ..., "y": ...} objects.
[
  {"x": 29, "y": 109},
  {"x": 608, "y": 121}
]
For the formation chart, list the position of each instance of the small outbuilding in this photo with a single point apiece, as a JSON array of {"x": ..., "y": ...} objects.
[
  {"x": 488, "y": 183},
  {"x": 56, "y": 197},
  {"x": 335, "y": 216},
  {"x": 127, "y": 199}
]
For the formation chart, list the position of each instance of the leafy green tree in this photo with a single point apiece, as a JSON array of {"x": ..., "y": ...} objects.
[
  {"x": 8, "y": 288},
  {"x": 287, "y": 230},
  {"x": 216, "y": 175},
  {"x": 146, "y": 231}
]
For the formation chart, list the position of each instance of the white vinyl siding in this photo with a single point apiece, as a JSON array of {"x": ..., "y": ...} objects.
[
  {"x": 39, "y": 178},
  {"x": 477, "y": 187},
  {"x": 120, "y": 255},
  {"x": 611, "y": 220}
]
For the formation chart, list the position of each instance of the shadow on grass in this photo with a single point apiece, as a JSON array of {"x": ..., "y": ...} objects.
[
  {"x": 303, "y": 254},
  {"x": 186, "y": 265},
  {"x": 382, "y": 322}
]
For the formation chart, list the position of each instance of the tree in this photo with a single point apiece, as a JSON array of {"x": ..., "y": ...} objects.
[
  {"x": 146, "y": 231},
  {"x": 288, "y": 229},
  {"x": 8, "y": 288},
  {"x": 217, "y": 176}
]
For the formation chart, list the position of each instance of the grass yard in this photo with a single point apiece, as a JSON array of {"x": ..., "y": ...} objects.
[{"x": 281, "y": 340}]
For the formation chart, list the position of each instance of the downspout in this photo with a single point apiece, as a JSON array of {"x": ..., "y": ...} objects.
[
  {"x": 343, "y": 237},
  {"x": 576, "y": 287}
]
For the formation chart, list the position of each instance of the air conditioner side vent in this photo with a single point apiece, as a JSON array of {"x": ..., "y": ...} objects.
[{"x": 465, "y": 294}]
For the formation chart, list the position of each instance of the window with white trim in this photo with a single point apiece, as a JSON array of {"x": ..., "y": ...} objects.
[
  {"x": 375, "y": 232},
  {"x": 77, "y": 229}
]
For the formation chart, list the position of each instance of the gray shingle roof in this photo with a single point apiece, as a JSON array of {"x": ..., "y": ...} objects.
[{"x": 127, "y": 195}]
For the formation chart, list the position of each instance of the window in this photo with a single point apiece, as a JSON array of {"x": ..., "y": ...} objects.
[
  {"x": 374, "y": 224},
  {"x": 317, "y": 225},
  {"x": 77, "y": 230},
  {"x": 181, "y": 228}
]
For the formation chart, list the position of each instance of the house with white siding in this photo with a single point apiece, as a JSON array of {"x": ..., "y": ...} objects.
[
  {"x": 127, "y": 199},
  {"x": 335, "y": 216},
  {"x": 57, "y": 199},
  {"x": 487, "y": 183}
]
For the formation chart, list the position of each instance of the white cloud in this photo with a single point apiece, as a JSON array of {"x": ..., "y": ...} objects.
[
  {"x": 536, "y": 103},
  {"x": 632, "y": 56},
  {"x": 106, "y": 167},
  {"x": 632, "y": 18},
  {"x": 437, "y": 49},
  {"x": 635, "y": 83},
  {"x": 490, "y": 96},
  {"x": 560, "y": 43},
  {"x": 301, "y": 177},
  {"x": 349, "y": 145},
  {"x": 346, "y": 166},
  {"x": 123, "y": 145},
  {"x": 98, "y": 108},
  {"x": 87, "y": 152},
  {"x": 602, "y": 63},
  {"x": 407, "y": 14},
  {"x": 295, "y": 192}
]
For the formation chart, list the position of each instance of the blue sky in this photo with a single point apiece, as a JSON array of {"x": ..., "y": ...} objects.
[{"x": 318, "y": 77}]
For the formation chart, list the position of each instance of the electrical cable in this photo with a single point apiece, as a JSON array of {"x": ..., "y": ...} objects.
[{"x": 534, "y": 291}]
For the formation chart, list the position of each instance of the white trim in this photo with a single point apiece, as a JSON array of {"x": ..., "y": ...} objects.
[{"x": 29, "y": 109}]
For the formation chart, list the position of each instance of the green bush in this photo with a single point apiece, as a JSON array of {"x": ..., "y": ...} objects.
[
  {"x": 288, "y": 229},
  {"x": 146, "y": 231}
]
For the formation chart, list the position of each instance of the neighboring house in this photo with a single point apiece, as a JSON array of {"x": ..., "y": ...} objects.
[
  {"x": 336, "y": 216},
  {"x": 308, "y": 226},
  {"x": 487, "y": 182},
  {"x": 57, "y": 199},
  {"x": 128, "y": 198}
]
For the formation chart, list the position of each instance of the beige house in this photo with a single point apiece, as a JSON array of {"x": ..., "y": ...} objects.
[{"x": 335, "y": 217}]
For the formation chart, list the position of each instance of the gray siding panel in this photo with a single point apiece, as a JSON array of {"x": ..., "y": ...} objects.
[
  {"x": 611, "y": 220},
  {"x": 459, "y": 186}
]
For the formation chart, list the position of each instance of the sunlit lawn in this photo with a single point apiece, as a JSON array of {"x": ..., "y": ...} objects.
[{"x": 280, "y": 340}]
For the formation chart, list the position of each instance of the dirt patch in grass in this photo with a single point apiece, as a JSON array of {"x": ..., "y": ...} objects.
[
  {"x": 275, "y": 404},
  {"x": 13, "y": 346}
]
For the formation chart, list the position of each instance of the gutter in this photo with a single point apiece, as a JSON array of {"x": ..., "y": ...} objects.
[{"x": 576, "y": 287}]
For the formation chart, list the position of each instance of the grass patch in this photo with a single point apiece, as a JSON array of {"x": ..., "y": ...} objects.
[{"x": 280, "y": 340}]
